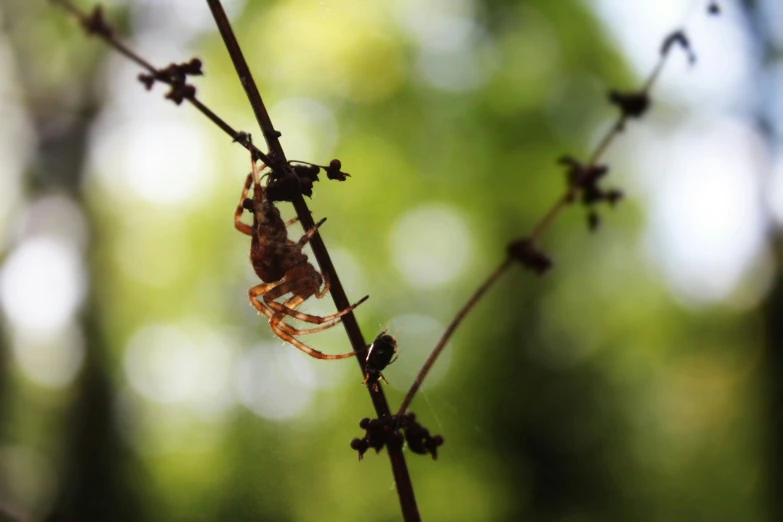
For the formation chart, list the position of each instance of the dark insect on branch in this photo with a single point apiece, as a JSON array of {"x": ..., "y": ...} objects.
[
  {"x": 402, "y": 480},
  {"x": 382, "y": 352}
]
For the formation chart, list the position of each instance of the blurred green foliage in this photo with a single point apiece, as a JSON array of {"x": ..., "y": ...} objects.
[{"x": 588, "y": 395}]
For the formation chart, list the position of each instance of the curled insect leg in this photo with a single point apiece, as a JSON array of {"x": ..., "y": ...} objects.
[
  {"x": 291, "y": 222},
  {"x": 292, "y": 304},
  {"x": 309, "y": 235},
  {"x": 293, "y": 286},
  {"x": 256, "y": 295},
  {"x": 323, "y": 291},
  {"x": 312, "y": 352},
  {"x": 243, "y": 227}
]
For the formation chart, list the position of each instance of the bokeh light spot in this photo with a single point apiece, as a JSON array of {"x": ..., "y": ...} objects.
[
  {"x": 707, "y": 227},
  {"x": 308, "y": 126},
  {"x": 165, "y": 162},
  {"x": 270, "y": 386},
  {"x": 182, "y": 364},
  {"x": 431, "y": 245},
  {"x": 28, "y": 480},
  {"x": 42, "y": 284},
  {"x": 51, "y": 358}
]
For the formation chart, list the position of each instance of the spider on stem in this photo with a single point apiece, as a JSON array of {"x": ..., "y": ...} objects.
[{"x": 283, "y": 268}]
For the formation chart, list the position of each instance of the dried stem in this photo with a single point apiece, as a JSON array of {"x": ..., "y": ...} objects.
[
  {"x": 109, "y": 38},
  {"x": 251, "y": 89},
  {"x": 475, "y": 298},
  {"x": 276, "y": 160},
  {"x": 676, "y": 37},
  {"x": 399, "y": 466}
]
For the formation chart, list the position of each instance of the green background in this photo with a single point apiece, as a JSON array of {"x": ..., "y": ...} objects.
[{"x": 590, "y": 394}]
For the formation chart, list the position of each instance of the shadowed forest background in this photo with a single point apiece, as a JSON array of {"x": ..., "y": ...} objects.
[{"x": 639, "y": 380}]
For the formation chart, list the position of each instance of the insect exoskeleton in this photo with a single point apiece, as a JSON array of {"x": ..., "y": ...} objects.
[
  {"x": 284, "y": 269},
  {"x": 382, "y": 352}
]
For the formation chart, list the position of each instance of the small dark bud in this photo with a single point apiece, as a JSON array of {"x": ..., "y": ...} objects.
[
  {"x": 172, "y": 74},
  {"x": 180, "y": 92},
  {"x": 713, "y": 9},
  {"x": 582, "y": 176},
  {"x": 613, "y": 196},
  {"x": 147, "y": 79},
  {"x": 289, "y": 183},
  {"x": 678, "y": 38},
  {"x": 633, "y": 104},
  {"x": 592, "y": 194},
  {"x": 432, "y": 448},
  {"x": 247, "y": 204},
  {"x": 361, "y": 446},
  {"x": 242, "y": 137},
  {"x": 593, "y": 220},
  {"x": 274, "y": 192},
  {"x": 96, "y": 23},
  {"x": 523, "y": 251},
  {"x": 307, "y": 171},
  {"x": 333, "y": 171},
  {"x": 306, "y": 187},
  {"x": 273, "y": 135},
  {"x": 364, "y": 423},
  {"x": 192, "y": 68}
]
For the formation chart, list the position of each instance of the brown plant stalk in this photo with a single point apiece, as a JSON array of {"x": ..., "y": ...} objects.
[
  {"x": 523, "y": 250},
  {"x": 402, "y": 478},
  {"x": 95, "y": 25}
]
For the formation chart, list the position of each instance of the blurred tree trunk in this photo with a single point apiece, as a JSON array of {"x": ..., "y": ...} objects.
[
  {"x": 773, "y": 306},
  {"x": 96, "y": 479},
  {"x": 773, "y": 370}
]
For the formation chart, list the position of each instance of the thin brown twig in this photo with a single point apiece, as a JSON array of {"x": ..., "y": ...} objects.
[
  {"x": 540, "y": 227},
  {"x": 109, "y": 38},
  {"x": 464, "y": 311},
  {"x": 251, "y": 89},
  {"x": 554, "y": 211},
  {"x": 402, "y": 478},
  {"x": 277, "y": 161}
]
